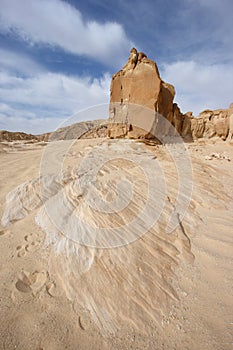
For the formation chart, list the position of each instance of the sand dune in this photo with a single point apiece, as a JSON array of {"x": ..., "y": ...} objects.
[{"x": 112, "y": 244}]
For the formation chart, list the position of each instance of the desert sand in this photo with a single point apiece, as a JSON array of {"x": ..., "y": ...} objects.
[{"x": 81, "y": 269}]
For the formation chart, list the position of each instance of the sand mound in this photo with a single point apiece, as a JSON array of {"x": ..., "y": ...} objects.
[
  {"x": 135, "y": 251},
  {"x": 109, "y": 201}
]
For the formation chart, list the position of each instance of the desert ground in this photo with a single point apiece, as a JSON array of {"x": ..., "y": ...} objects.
[{"x": 160, "y": 280}]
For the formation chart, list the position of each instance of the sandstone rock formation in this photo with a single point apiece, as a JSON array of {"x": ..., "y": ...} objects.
[
  {"x": 141, "y": 106},
  {"x": 86, "y": 129},
  {"x": 13, "y": 136},
  {"x": 230, "y": 113},
  {"x": 217, "y": 123},
  {"x": 77, "y": 130},
  {"x": 139, "y": 97},
  {"x": 99, "y": 131}
]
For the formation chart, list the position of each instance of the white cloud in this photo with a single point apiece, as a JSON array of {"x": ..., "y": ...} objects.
[
  {"x": 19, "y": 122},
  {"x": 12, "y": 61},
  {"x": 55, "y": 22},
  {"x": 39, "y": 102},
  {"x": 200, "y": 87},
  {"x": 54, "y": 90}
]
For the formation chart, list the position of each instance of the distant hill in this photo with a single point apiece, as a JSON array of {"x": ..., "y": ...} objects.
[
  {"x": 89, "y": 129},
  {"x": 15, "y": 136},
  {"x": 78, "y": 130}
]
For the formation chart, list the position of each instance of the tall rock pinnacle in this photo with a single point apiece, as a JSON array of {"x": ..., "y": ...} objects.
[{"x": 139, "y": 83}]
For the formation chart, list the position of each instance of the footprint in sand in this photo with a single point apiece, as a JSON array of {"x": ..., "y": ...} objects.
[
  {"x": 53, "y": 290},
  {"x": 21, "y": 252},
  {"x": 31, "y": 282},
  {"x": 85, "y": 321},
  {"x": 32, "y": 244},
  {"x": 4, "y": 232}
]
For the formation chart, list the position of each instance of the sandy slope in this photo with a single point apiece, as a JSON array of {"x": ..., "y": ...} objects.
[{"x": 164, "y": 290}]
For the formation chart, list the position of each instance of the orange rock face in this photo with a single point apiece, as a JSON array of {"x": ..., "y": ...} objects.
[
  {"x": 138, "y": 83},
  {"x": 217, "y": 123},
  {"x": 141, "y": 106}
]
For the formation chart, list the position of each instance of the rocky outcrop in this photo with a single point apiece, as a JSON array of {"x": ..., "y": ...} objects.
[
  {"x": 186, "y": 126},
  {"x": 99, "y": 131},
  {"x": 16, "y": 136},
  {"x": 141, "y": 106},
  {"x": 140, "y": 100},
  {"x": 230, "y": 114},
  {"x": 77, "y": 130},
  {"x": 217, "y": 123},
  {"x": 87, "y": 129}
]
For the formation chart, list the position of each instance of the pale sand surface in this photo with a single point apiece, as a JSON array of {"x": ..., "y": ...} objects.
[{"x": 162, "y": 291}]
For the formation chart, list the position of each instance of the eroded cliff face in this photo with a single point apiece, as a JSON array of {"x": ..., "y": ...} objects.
[
  {"x": 217, "y": 123},
  {"x": 141, "y": 106},
  {"x": 142, "y": 102}
]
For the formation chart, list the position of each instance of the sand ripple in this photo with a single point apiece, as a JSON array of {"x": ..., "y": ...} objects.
[{"x": 106, "y": 223}]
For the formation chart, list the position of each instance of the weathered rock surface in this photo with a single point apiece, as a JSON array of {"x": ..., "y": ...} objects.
[
  {"x": 230, "y": 113},
  {"x": 142, "y": 102},
  {"x": 99, "y": 131},
  {"x": 217, "y": 123},
  {"x": 13, "y": 136},
  {"x": 77, "y": 130},
  {"x": 141, "y": 106},
  {"x": 87, "y": 129}
]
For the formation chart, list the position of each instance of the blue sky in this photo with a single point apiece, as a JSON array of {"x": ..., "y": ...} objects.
[{"x": 57, "y": 57}]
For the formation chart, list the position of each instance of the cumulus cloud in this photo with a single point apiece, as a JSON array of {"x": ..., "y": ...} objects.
[
  {"x": 54, "y": 90},
  {"x": 39, "y": 101},
  {"x": 199, "y": 87},
  {"x": 19, "y": 64},
  {"x": 57, "y": 23},
  {"x": 22, "y": 120}
]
